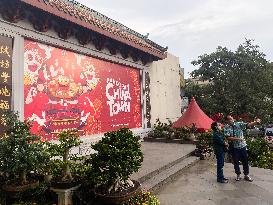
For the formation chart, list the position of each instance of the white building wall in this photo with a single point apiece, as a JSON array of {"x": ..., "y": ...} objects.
[{"x": 165, "y": 90}]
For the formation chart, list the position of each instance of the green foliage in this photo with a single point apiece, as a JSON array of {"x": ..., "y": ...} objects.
[
  {"x": 67, "y": 140},
  {"x": 165, "y": 130},
  {"x": 118, "y": 156},
  {"x": 143, "y": 198},
  {"x": 162, "y": 130},
  {"x": 240, "y": 82},
  {"x": 38, "y": 196},
  {"x": 259, "y": 153},
  {"x": 256, "y": 148},
  {"x": 20, "y": 151},
  {"x": 61, "y": 163},
  {"x": 205, "y": 138},
  {"x": 204, "y": 143}
]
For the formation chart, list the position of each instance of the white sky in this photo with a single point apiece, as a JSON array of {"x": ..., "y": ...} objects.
[{"x": 193, "y": 27}]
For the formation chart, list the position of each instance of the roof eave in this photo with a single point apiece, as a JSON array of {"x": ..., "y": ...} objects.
[{"x": 56, "y": 12}]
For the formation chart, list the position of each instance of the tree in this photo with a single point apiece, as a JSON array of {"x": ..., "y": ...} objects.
[
  {"x": 67, "y": 140},
  {"x": 241, "y": 82},
  {"x": 117, "y": 156},
  {"x": 20, "y": 152}
]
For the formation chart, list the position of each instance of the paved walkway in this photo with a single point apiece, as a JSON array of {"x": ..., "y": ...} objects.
[
  {"x": 156, "y": 155},
  {"x": 198, "y": 186}
]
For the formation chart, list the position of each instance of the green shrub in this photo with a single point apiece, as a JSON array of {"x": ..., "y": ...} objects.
[
  {"x": 167, "y": 131},
  {"x": 20, "y": 151},
  {"x": 62, "y": 163},
  {"x": 143, "y": 198},
  {"x": 162, "y": 130},
  {"x": 256, "y": 148},
  {"x": 259, "y": 153},
  {"x": 265, "y": 160},
  {"x": 204, "y": 144},
  {"x": 118, "y": 156},
  {"x": 205, "y": 139}
]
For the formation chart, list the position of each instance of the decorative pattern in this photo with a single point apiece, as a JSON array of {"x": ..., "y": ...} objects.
[
  {"x": 64, "y": 90},
  {"x": 88, "y": 15},
  {"x": 98, "y": 41},
  {"x": 42, "y": 21},
  {"x": 12, "y": 11},
  {"x": 105, "y": 25},
  {"x": 124, "y": 51},
  {"x": 148, "y": 100},
  {"x": 64, "y": 29},
  {"x": 83, "y": 36}
]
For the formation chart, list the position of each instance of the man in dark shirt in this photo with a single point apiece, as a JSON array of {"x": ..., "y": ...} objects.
[{"x": 219, "y": 150}]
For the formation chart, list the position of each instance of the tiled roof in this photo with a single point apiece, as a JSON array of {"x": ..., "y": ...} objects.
[{"x": 89, "y": 18}]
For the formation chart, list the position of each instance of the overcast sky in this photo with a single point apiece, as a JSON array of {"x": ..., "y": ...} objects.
[{"x": 193, "y": 27}]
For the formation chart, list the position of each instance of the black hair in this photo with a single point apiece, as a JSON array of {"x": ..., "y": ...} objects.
[
  {"x": 214, "y": 126},
  {"x": 227, "y": 116}
]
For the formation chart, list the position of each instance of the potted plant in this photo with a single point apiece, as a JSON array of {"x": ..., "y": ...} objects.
[
  {"x": 117, "y": 156},
  {"x": 46, "y": 170},
  {"x": 143, "y": 197},
  {"x": 204, "y": 144},
  {"x": 20, "y": 154},
  {"x": 62, "y": 161}
]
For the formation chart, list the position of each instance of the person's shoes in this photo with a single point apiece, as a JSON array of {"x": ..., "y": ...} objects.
[
  {"x": 248, "y": 178},
  {"x": 238, "y": 178},
  {"x": 225, "y": 178},
  {"x": 223, "y": 181}
]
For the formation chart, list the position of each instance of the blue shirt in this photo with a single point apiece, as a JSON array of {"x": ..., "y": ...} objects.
[
  {"x": 236, "y": 130},
  {"x": 218, "y": 142}
]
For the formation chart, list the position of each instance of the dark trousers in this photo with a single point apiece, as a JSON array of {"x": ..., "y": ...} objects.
[
  {"x": 240, "y": 155},
  {"x": 220, "y": 156}
]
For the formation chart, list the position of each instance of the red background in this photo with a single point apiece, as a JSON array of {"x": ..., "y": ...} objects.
[{"x": 54, "y": 84}]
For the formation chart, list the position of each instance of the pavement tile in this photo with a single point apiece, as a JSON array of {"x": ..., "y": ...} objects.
[{"x": 197, "y": 185}]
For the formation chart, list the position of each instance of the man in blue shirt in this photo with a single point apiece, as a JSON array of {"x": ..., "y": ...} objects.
[{"x": 234, "y": 132}]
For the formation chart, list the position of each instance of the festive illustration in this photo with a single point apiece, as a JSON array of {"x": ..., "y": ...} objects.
[{"x": 64, "y": 90}]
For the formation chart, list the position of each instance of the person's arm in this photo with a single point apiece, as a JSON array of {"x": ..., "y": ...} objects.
[
  {"x": 255, "y": 122},
  {"x": 231, "y": 138},
  {"x": 229, "y": 135}
]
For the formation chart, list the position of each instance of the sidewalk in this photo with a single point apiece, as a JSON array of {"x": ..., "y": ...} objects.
[
  {"x": 157, "y": 155},
  {"x": 198, "y": 186}
]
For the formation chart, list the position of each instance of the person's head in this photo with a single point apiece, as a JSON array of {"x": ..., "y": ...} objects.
[
  {"x": 229, "y": 119},
  {"x": 215, "y": 126},
  {"x": 40, "y": 85}
]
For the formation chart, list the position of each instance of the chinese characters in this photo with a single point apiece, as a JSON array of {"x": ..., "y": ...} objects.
[{"x": 5, "y": 79}]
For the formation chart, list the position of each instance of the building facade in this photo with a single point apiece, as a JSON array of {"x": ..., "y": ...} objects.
[
  {"x": 165, "y": 89},
  {"x": 70, "y": 67}
]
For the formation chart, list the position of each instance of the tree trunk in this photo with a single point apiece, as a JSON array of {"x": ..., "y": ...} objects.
[
  {"x": 23, "y": 177},
  {"x": 66, "y": 172}
]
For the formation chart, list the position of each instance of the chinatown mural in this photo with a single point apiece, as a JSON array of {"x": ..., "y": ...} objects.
[{"x": 64, "y": 90}]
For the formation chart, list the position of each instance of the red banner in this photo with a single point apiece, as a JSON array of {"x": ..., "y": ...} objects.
[{"x": 64, "y": 90}]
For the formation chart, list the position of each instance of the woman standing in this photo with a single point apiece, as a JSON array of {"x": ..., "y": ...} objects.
[{"x": 219, "y": 145}]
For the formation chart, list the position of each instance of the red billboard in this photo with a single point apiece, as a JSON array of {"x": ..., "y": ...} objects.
[{"x": 64, "y": 90}]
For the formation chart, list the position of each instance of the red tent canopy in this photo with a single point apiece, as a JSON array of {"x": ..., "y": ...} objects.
[{"x": 194, "y": 115}]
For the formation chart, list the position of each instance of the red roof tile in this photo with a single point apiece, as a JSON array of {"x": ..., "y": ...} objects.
[{"x": 93, "y": 20}]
